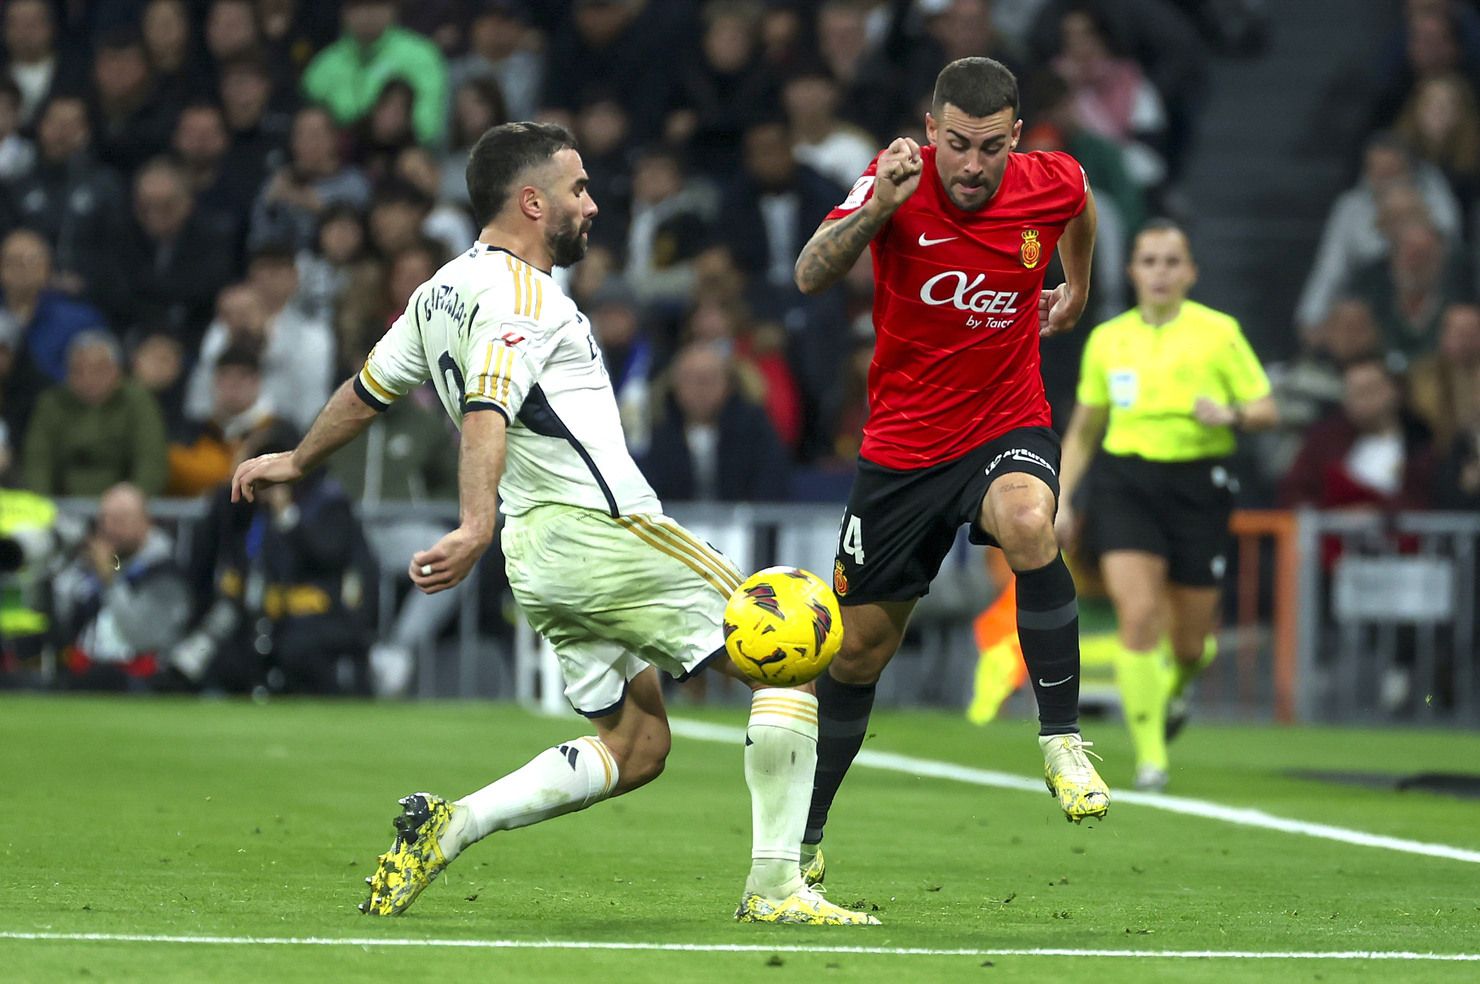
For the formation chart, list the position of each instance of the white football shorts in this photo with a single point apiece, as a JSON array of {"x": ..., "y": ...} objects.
[{"x": 614, "y": 596}]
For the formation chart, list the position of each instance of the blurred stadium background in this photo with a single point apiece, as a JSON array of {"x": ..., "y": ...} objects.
[{"x": 210, "y": 210}]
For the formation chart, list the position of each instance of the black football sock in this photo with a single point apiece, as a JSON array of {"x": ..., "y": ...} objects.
[
  {"x": 1048, "y": 629},
  {"x": 842, "y": 721}
]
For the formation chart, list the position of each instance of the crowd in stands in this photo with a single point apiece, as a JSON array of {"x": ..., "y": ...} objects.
[
  {"x": 1382, "y": 405},
  {"x": 210, "y": 210}
]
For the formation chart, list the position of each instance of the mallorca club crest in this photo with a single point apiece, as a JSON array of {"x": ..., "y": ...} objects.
[
  {"x": 1031, "y": 250},
  {"x": 840, "y": 579}
]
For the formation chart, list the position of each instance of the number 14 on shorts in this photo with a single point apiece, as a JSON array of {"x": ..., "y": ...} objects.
[{"x": 853, "y": 538}]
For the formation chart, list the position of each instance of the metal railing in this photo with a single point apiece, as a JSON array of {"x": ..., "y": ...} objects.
[{"x": 1327, "y": 612}]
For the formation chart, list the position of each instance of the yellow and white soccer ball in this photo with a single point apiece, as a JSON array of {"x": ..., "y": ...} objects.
[{"x": 782, "y": 626}]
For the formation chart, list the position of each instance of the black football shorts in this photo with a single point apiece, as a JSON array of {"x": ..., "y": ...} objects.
[
  {"x": 900, "y": 524},
  {"x": 1174, "y": 509}
]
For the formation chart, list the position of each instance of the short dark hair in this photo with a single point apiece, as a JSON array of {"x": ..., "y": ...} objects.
[
  {"x": 502, "y": 154},
  {"x": 1164, "y": 224},
  {"x": 976, "y": 86},
  {"x": 240, "y": 355}
]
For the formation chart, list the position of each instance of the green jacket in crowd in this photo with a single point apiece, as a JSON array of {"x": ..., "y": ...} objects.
[{"x": 73, "y": 449}]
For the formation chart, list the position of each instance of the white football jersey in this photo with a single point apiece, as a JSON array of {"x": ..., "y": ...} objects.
[{"x": 495, "y": 334}]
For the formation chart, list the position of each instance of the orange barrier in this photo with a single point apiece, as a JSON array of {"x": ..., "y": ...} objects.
[{"x": 1250, "y": 526}]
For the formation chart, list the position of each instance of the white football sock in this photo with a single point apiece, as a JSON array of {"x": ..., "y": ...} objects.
[
  {"x": 559, "y": 780},
  {"x": 780, "y": 759}
]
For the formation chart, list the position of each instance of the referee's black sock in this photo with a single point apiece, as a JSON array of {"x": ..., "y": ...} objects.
[
  {"x": 1048, "y": 629},
  {"x": 842, "y": 722}
]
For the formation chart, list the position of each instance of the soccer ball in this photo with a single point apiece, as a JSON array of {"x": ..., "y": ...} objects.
[{"x": 782, "y": 626}]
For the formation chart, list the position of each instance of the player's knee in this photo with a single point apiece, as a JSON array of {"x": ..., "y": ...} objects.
[
  {"x": 1025, "y": 531},
  {"x": 642, "y": 757},
  {"x": 862, "y": 657},
  {"x": 1139, "y": 628}
]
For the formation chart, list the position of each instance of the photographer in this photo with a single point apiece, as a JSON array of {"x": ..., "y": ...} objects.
[{"x": 122, "y": 600}]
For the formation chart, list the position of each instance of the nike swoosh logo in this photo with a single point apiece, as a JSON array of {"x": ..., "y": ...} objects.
[
  {"x": 1044, "y": 683},
  {"x": 934, "y": 242}
]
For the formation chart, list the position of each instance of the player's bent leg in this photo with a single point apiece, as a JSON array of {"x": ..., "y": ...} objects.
[
  {"x": 845, "y": 698},
  {"x": 1017, "y": 511},
  {"x": 1136, "y": 582},
  {"x": 628, "y": 751}
]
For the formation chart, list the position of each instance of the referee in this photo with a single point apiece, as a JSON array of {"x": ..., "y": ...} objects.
[{"x": 1164, "y": 389}]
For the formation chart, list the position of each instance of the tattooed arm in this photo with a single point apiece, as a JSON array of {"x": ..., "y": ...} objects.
[
  {"x": 836, "y": 246},
  {"x": 837, "y": 243}
]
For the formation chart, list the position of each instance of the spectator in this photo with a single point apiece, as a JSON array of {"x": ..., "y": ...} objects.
[
  {"x": 1410, "y": 290},
  {"x": 37, "y": 325},
  {"x": 721, "y": 87},
  {"x": 601, "y": 130},
  {"x": 32, "y": 60},
  {"x": 406, "y": 455},
  {"x": 1445, "y": 385},
  {"x": 1370, "y": 453},
  {"x": 1457, "y": 483},
  {"x": 258, "y": 132},
  {"x": 397, "y": 212},
  {"x": 292, "y": 31},
  {"x": 671, "y": 224},
  {"x": 157, "y": 364},
  {"x": 448, "y": 223},
  {"x": 132, "y": 119},
  {"x": 1111, "y": 95},
  {"x": 874, "y": 94},
  {"x": 180, "y": 256},
  {"x": 232, "y": 34},
  {"x": 630, "y": 357},
  {"x": 304, "y": 627},
  {"x": 95, "y": 430},
  {"x": 17, "y": 154},
  {"x": 836, "y": 150},
  {"x": 315, "y": 177},
  {"x": 224, "y": 182},
  {"x": 386, "y": 130},
  {"x": 773, "y": 206},
  {"x": 713, "y": 444},
  {"x": 845, "y": 405},
  {"x": 1354, "y": 237},
  {"x": 477, "y": 106},
  {"x": 613, "y": 42},
  {"x": 349, "y": 74},
  {"x": 498, "y": 49},
  {"x": 170, "y": 46},
  {"x": 77, "y": 204},
  {"x": 202, "y": 456},
  {"x": 1441, "y": 125},
  {"x": 1431, "y": 46},
  {"x": 1309, "y": 387},
  {"x": 296, "y": 349},
  {"x": 123, "y": 602},
  {"x": 324, "y": 272}
]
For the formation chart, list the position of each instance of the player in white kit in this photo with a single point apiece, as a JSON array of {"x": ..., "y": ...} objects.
[{"x": 614, "y": 585}]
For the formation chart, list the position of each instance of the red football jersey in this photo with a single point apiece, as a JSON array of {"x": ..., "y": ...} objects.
[{"x": 956, "y": 309}]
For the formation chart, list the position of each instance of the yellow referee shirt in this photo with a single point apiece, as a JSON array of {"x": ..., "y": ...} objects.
[{"x": 1149, "y": 378}]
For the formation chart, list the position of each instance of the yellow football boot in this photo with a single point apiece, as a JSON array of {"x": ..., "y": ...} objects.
[
  {"x": 814, "y": 868},
  {"x": 1071, "y": 777},
  {"x": 805, "y": 908},
  {"x": 415, "y": 858}
]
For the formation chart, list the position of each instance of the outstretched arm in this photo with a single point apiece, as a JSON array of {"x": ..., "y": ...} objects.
[{"x": 343, "y": 419}]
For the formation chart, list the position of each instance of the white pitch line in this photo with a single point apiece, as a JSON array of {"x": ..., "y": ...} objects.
[
  {"x": 882, "y": 951},
  {"x": 1243, "y": 816}
]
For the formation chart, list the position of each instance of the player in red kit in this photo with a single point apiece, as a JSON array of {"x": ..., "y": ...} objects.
[{"x": 958, "y": 428}]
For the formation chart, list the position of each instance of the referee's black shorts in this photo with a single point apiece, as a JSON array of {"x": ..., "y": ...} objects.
[
  {"x": 900, "y": 524},
  {"x": 1174, "y": 509}
]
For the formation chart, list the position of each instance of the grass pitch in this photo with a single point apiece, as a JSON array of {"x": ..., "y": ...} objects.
[{"x": 176, "y": 818}]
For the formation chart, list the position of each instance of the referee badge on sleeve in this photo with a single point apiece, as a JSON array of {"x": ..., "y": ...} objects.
[{"x": 1123, "y": 387}]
